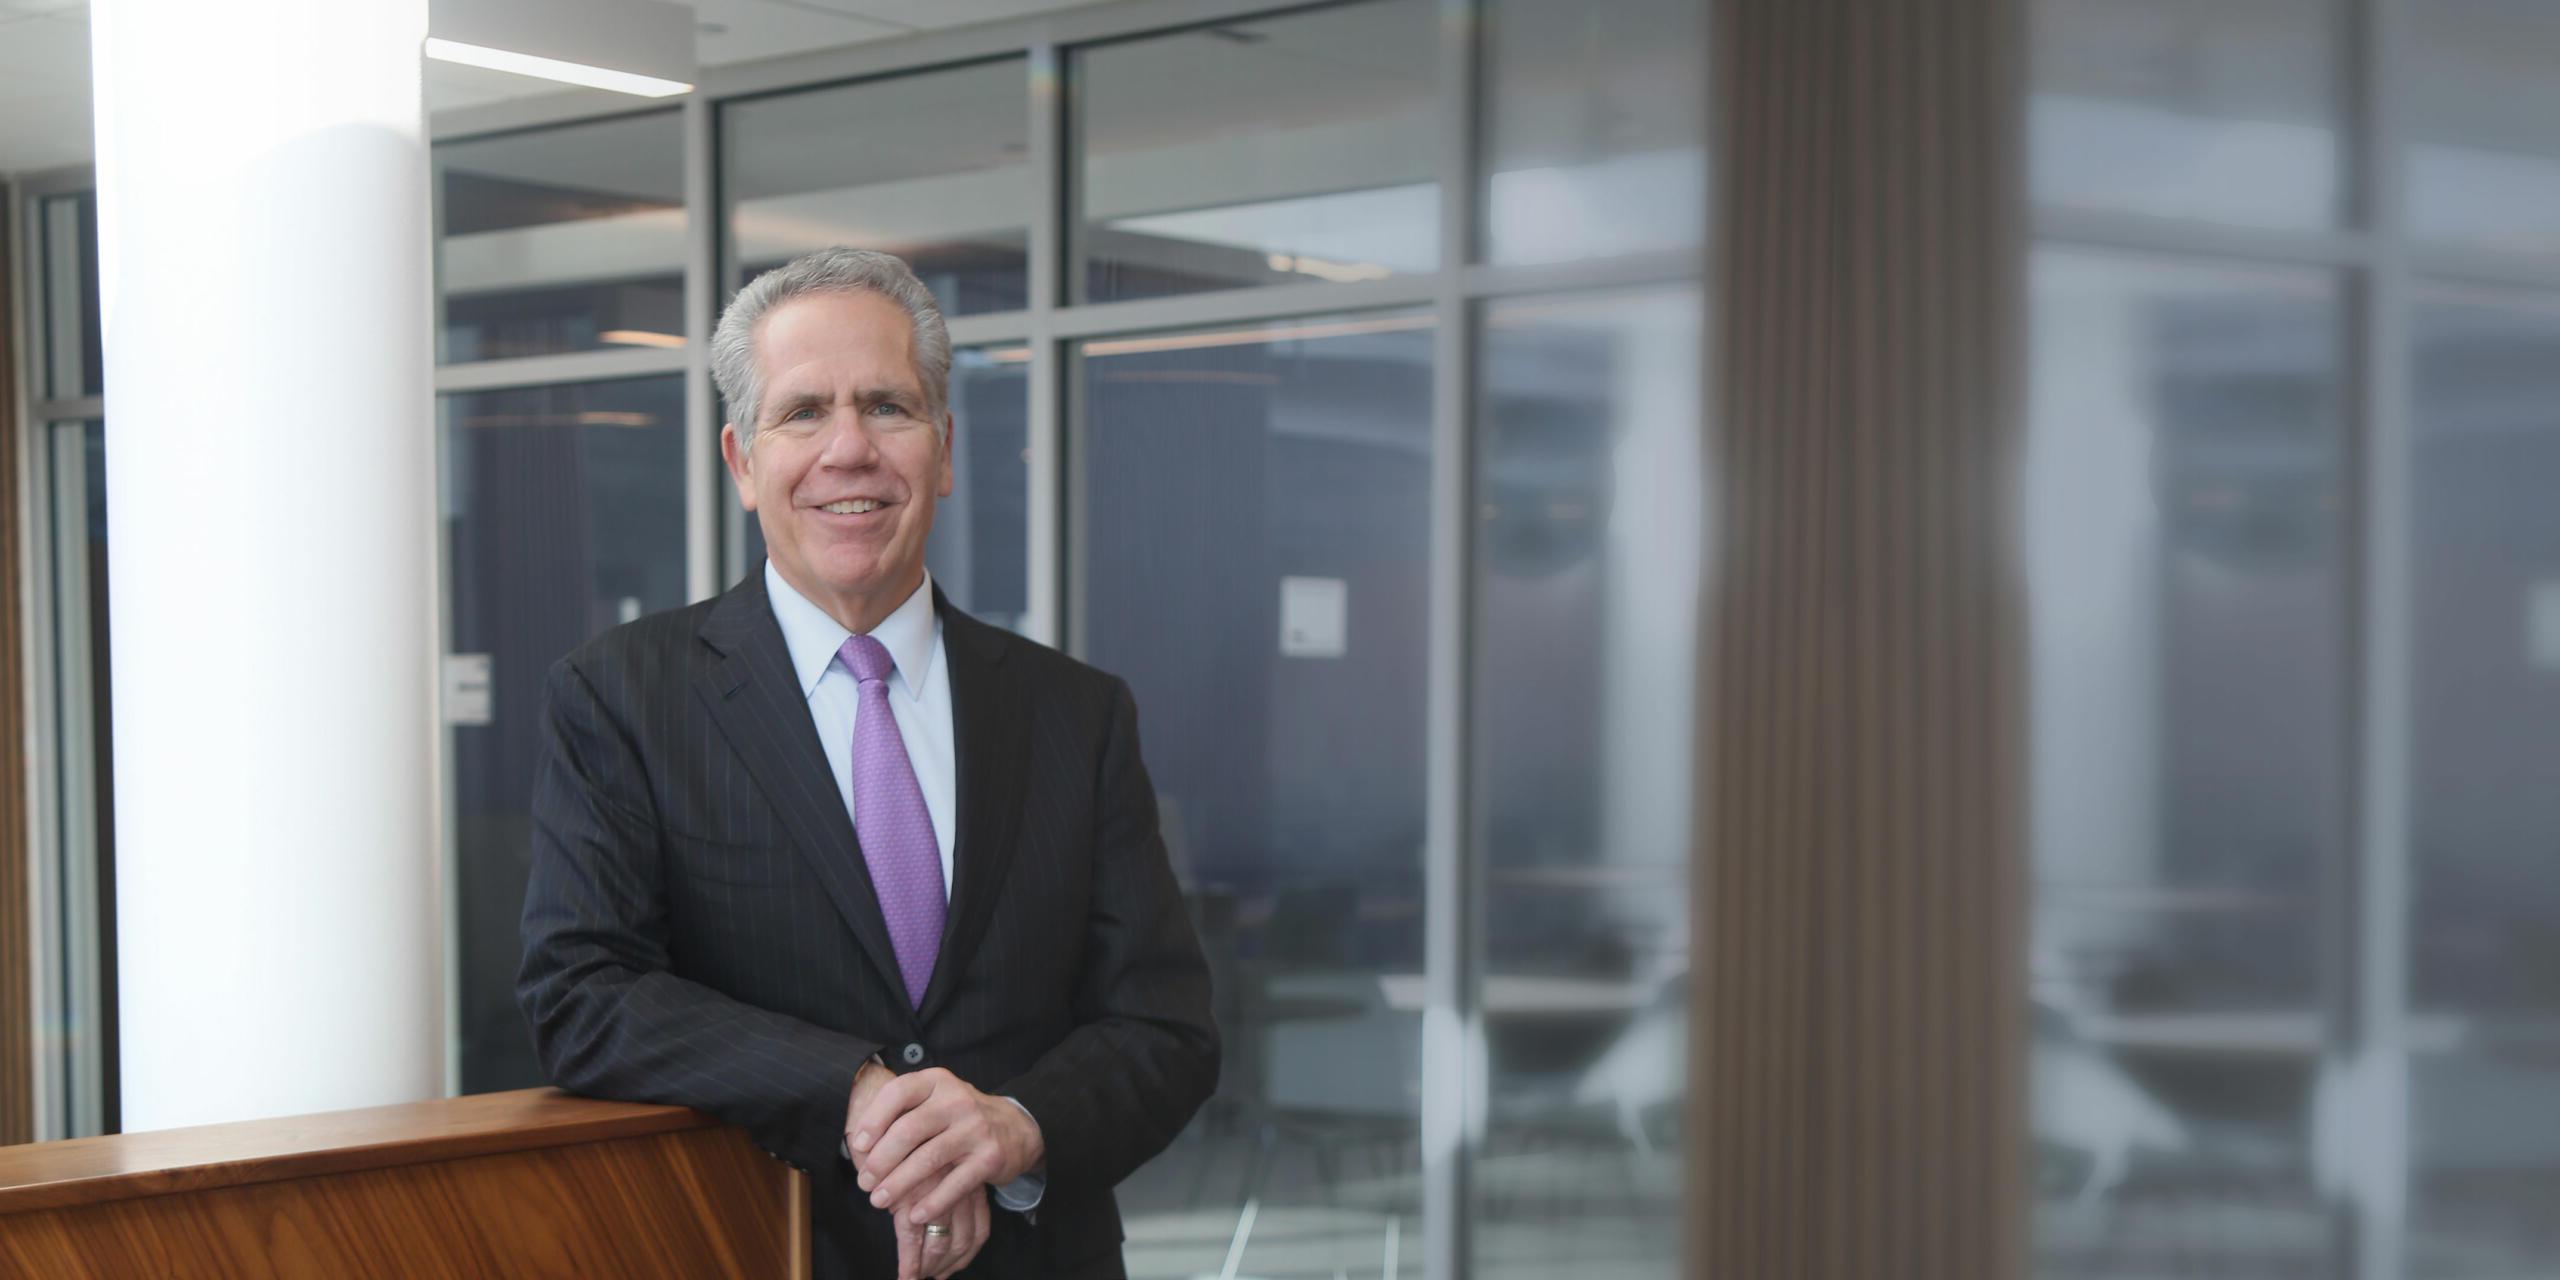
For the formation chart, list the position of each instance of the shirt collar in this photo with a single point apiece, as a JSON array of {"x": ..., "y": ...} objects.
[{"x": 813, "y": 638}]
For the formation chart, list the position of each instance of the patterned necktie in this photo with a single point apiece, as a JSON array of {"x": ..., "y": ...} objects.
[{"x": 889, "y": 819}]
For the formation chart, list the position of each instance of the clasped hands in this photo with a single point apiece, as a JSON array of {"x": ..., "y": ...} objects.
[{"x": 926, "y": 1146}]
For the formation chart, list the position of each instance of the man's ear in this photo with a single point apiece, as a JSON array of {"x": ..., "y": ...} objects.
[
  {"x": 950, "y": 441},
  {"x": 741, "y": 466}
]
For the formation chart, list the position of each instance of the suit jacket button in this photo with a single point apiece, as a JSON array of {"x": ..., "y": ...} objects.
[{"x": 913, "y": 1054}]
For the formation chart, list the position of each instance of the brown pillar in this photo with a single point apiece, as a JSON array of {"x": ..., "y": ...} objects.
[{"x": 1859, "y": 1079}]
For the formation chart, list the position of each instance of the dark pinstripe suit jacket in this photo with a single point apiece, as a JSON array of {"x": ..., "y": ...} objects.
[{"x": 700, "y": 929}]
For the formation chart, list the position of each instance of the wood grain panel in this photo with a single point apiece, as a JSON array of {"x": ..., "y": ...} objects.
[
  {"x": 705, "y": 1202},
  {"x": 123, "y": 1166},
  {"x": 1858, "y": 1040},
  {"x": 17, "y": 1039}
]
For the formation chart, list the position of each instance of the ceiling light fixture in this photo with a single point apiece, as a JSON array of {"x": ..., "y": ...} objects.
[
  {"x": 640, "y": 338},
  {"x": 525, "y": 64},
  {"x": 639, "y": 47}
]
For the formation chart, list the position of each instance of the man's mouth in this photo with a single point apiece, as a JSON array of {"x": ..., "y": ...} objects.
[{"x": 853, "y": 506}]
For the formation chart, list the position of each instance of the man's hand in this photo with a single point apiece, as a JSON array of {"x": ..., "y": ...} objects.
[
  {"x": 922, "y": 1142},
  {"x": 867, "y": 1081},
  {"x": 931, "y": 1257}
]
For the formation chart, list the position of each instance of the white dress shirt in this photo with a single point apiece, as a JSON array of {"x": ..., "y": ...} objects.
[{"x": 919, "y": 700}]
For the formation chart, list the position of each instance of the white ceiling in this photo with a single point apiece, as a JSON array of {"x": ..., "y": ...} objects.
[{"x": 44, "y": 58}]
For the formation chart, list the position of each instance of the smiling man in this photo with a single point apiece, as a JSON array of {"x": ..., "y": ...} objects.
[{"x": 831, "y": 860}]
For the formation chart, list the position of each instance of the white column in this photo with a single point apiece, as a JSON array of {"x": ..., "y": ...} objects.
[{"x": 263, "y": 211}]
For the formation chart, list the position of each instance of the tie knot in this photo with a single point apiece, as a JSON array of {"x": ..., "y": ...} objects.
[{"x": 866, "y": 658}]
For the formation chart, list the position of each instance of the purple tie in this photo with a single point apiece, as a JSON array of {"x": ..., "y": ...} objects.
[{"x": 889, "y": 819}]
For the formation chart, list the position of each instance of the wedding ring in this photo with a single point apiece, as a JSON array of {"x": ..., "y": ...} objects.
[{"x": 936, "y": 1230}]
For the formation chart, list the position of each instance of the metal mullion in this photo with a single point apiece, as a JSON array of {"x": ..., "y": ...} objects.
[
  {"x": 2090, "y": 229},
  {"x": 1452, "y": 1120},
  {"x": 448, "y": 795},
  {"x": 925, "y": 49},
  {"x": 76, "y": 407},
  {"x": 2372, "y": 935},
  {"x": 70, "y": 179},
  {"x": 2484, "y": 267},
  {"x": 545, "y": 111},
  {"x": 1243, "y": 306},
  {"x": 35, "y": 669},
  {"x": 580, "y": 366},
  {"x": 1047, "y": 587},
  {"x": 701, "y": 300},
  {"x": 995, "y": 328},
  {"x": 1590, "y": 276}
]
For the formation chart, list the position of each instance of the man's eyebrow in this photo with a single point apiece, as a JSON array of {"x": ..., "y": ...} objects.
[{"x": 874, "y": 395}]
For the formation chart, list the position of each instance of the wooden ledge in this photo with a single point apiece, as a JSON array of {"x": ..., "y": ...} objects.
[{"x": 54, "y": 1175}]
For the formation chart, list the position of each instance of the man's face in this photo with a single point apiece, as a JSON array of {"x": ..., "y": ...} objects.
[{"x": 847, "y": 463}]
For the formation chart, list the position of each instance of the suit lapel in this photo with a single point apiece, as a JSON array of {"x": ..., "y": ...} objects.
[
  {"x": 754, "y": 696},
  {"x": 990, "y": 727}
]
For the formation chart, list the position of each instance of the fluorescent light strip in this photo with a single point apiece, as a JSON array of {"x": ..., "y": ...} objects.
[
  {"x": 640, "y": 338},
  {"x": 525, "y": 64}
]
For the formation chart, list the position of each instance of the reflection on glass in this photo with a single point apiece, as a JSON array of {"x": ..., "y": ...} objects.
[
  {"x": 980, "y": 550},
  {"x": 563, "y": 513},
  {"x": 2485, "y": 976},
  {"x": 2185, "y": 608},
  {"x": 67, "y": 357},
  {"x": 76, "y": 1025},
  {"x": 2226, "y": 112},
  {"x": 932, "y": 167},
  {"x": 1276, "y": 482},
  {"x": 2484, "y": 124},
  {"x": 1589, "y": 488},
  {"x": 1595, "y": 116},
  {"x": 565, "y": 239},
  {"x": 1286, "y": 149}
]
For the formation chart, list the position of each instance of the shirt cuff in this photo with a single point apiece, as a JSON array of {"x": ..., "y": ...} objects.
[{"x": 1023, "y": 1194}]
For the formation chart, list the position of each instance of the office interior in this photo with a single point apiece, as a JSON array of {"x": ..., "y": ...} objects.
[{"x": 1334, "y": 373}]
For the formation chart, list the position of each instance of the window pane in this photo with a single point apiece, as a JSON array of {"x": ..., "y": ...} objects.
[
  {"x": 569, "y": 239},
  {"x": 2226, "y": 112},
  {"x": 2484, "y": 124},
  {"x": 68, "y": 359},
  {"x": 1589, "y": 489},
  {"x": 980, "y": 550},
  {"x": 1277, "y": 482},
  {"x": 2485, "y": 1104},
  {"x": 2183, "y": 557},
  {"x": 563, "y": 511},
  {"x": 1595, "y": 121},
  {"x": 1272, "y": 150},
  {"x": 931, "y": 167}
]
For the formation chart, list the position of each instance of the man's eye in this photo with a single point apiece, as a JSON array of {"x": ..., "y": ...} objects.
[
  {"x": 802, "y": 413},
  {"x": 889, "y": 408}
]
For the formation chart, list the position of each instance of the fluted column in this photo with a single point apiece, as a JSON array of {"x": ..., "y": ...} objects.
[{"x": 1860, "y": 1085}]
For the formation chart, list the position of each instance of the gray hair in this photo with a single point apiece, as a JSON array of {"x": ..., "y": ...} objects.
[{"x": 825, "y": 271}]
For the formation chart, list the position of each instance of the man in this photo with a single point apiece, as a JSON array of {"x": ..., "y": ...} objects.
[{"x": 835, "y": 862}]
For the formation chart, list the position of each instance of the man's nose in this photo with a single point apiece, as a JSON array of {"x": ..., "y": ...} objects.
[{"x": 849, "y": 443}]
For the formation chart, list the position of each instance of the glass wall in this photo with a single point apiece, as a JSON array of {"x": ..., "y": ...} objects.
[
  {"x": 565, "y": 239},
  {"x": 1588, "y": 484},
  {"x": 1293, "y": 148},
  {"x": 1276, "y": 481},
  {"x": 556, "y": 505},
  {"x": 933, "y": 167},
  {"x": 2485, "y": 754},
  {"x": 2287, "y": 572},
  {"x": 1594, "y": 123},
  {"x": 2183, "y": 528}
]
